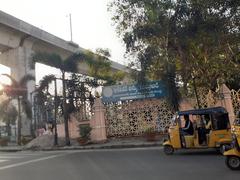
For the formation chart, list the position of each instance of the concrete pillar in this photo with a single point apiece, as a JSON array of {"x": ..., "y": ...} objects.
[
  {"x": 97, "y": 123},
  {"x": 18, "y": 59},
  {"x": 226, "y": 101}
]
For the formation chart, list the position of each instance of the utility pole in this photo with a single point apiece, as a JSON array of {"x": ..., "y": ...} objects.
[
  {"x": 19, "y": 122},
  {"x": 70, "y": 20}
]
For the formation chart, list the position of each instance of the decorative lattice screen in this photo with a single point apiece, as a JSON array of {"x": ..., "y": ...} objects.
[
  {"x": 235, "y": 100},
  {"x": 133, "y": 118},
  {"x": 207, "y": 98}
]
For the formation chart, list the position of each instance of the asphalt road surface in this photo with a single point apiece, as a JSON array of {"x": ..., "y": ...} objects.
[{"x": 122, "y": 164}]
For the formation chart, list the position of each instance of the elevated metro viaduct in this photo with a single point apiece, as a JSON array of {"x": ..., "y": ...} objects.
[{"x": 19, "y": 40}]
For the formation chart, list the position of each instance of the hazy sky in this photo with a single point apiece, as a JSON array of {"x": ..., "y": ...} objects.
[{"x": 92, "y": 25}]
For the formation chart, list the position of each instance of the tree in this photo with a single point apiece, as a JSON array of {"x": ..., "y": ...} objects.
[
  {"x": 8, "y": 114},
  {"x": 145, "y": 29},
  {"x": 42, "y": 94},
  {"x": 101, "y": 69},
  {"x": 194, "y": 38},
  {"x": 18, "y": 90},
  {"x": 96, "y": 63},
  {"x": 42, "y": 99},
  {"x": 70, "y": 64}
]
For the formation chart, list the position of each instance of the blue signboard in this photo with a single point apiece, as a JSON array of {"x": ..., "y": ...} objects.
[{"x": 153, "y": 89}]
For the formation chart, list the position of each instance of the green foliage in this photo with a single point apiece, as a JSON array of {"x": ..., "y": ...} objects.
[
  {"x": 173, "y": 95},
  {"x": 41, "y": 95},
  {"x": 103, "y": 52},
  {"x": 26, "y": 139},
  {"x": 79, "y": 90},
  {"x": 100, "y": 68},
  {"x": 149, "y": 130},
  {"x": 197, "y": 38},
  {"x": 8, "y": 112},
  {"x": 18, "y": 89},
  {"x": 99, "y": 64},
  {"x": 45, "y": 81},
  {"x": 42, "y": 90},
  {"x": 70, "y": 64},
  {"x": 85, "y": 131}
]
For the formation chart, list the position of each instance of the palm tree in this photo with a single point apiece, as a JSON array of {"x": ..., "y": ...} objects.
[
  {"x": 18, "y": 90},
  {"x": 42, "y": 98},
  {"x": 41, "y": 94},
  {"x": 97, "y": 63},
  {"x": 69, "y": 64}
]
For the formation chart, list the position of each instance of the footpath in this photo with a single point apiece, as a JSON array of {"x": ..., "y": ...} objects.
[{"x": 114, "y": 143}]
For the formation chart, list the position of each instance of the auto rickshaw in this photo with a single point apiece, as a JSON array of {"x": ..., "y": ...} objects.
[
  {"x": 233, "y": 155},
  {"x": 217, "y": 135}
]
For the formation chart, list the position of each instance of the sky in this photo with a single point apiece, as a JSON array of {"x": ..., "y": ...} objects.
[{"x": 92, "y": 26}]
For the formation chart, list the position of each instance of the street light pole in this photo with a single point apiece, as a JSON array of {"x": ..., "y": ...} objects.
[
  {"x": 70, "y": 18},
  {"x": 19, "y": 122}
]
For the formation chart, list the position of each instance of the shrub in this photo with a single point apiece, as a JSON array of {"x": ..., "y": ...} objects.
[
  {"x": 26, "y": 139},
  {"x": 4, "y": 141},
  {"x": 85, "y": 131},
  {"x": 149, "y": 130}
]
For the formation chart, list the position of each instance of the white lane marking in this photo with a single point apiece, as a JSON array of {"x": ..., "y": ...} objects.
[
  {"x": 18, "y": 156},
  {"x": 3, "y": 160},
  {"x": 11, "y": 157},
  {"x": 30, "y": 161},
  {"x": 26, "y": 154}
]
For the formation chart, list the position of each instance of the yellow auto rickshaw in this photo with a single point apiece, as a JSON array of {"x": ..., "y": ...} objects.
[
  {"x": 211, "y": 129},
  {"x": 233, "y": 155}
]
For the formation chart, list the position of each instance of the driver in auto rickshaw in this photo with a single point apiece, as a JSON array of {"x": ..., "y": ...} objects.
[
  {"x": 187, "y": 129},
  {"x": 203, "y": 126}
]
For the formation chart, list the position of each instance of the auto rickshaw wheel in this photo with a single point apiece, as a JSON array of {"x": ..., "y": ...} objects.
[
  {"x": 168, "y": 149},
  {"x": 233, "y": 162}
]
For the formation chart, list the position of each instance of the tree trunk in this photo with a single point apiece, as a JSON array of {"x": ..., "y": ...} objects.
[
  {"x": 65, "y": 113},
  {"x": 19, "y": 125},
  {"x": 8, "y": 129},
  {"x": 55, "y": 113}
]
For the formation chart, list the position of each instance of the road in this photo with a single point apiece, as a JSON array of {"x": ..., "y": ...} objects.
[{"x": 118, "y": 164}]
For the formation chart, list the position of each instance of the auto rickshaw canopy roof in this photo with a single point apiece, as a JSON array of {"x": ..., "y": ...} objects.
[{"x": 213, "y": 110}]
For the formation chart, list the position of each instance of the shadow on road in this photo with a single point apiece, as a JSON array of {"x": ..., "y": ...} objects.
[{"x": 198, "y": 152}]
